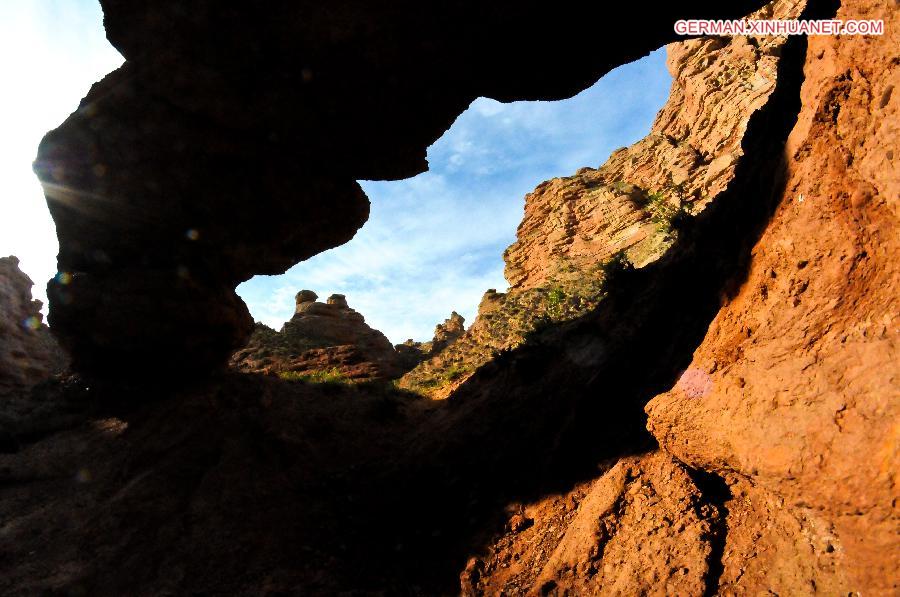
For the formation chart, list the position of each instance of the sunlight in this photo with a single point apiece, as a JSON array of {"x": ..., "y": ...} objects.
[{"x": 52, "y": 52}]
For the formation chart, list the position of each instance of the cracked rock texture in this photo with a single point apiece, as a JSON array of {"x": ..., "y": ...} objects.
[
  {"x": 802, "y": 391},
  {"x": 641, "y": 528}
]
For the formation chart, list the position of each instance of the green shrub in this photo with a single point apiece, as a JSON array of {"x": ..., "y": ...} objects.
[
  {"x": 663, "y": 213},
  {"x": 456, "y": 371},
  {"x": 556, "y": 300}
]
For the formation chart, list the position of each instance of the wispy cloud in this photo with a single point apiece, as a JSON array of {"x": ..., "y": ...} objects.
[{"x": 434, "y": 242}]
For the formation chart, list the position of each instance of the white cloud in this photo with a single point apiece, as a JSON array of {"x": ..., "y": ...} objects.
[{"x": 433, "y": 243}]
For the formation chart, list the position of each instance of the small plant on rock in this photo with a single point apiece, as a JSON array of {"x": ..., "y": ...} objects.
[
  {"x": 556, "y": 302},
  {"x": 615, "y": 266}
]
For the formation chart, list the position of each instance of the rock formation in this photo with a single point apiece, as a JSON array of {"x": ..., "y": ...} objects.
[
  {"x": 800, "y": 366},
  {"x": 412, "y": 353},
  {"x": 321, "y": 337},
  {"x": 229, "y": 142},
  {"x": 690, "y": 387},
  {"x": 448, "y": 332},
  {"x": 28, "y": 353},
  {"x": 577, "y": 230},
  {"x": 786, "y": 413}
]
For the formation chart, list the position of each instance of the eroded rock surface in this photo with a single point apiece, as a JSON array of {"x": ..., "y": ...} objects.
[
  {"x": 321, "y": 338},
  {"x": 28, "y": 353},
  {"x": 578, "y": 231},
  {"x": 642, "y": 528},
  {"x": 573, "y": 223},
  {"x": 799, "y": 370}
]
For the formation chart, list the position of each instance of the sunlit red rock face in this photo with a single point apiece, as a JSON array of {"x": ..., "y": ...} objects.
[
  {"x": 28, "y": 353},
  {"x": 573, "y": 223},
  {"x": 803, "y": 393},
  {"x": 786, "y": 417},
  {"x": 229, "y": 143}
]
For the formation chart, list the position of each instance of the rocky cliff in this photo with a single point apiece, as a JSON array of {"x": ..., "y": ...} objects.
[
  {"x": 412, "y": 352},
  {"x": 798, "y": 373},
  {"x": 326, "y": 338},
  {"x": 783, "y": 423},
  {"x": 580, "y": 230},
  {"x": 28, "y": 353}
]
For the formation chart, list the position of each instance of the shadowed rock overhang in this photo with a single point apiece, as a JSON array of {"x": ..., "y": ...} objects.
[{"x": 229, "y": 144}]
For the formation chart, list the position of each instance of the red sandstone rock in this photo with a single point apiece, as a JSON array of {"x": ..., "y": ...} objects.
[
  {"x": 802, "y": 361},
  {"x": 573, "y": 223},
  {"x": 576, "y": 229}
]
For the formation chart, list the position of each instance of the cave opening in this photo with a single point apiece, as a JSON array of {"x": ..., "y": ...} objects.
[
  {"x": 434, "y": 243},
  {"x": 576, "y": 439}
]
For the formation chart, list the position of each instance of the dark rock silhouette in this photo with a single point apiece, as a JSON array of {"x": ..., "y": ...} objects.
[{"x": 230, "y": 142}]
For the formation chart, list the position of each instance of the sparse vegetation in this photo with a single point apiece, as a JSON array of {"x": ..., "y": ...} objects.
[
  {"x": 556, "y": 302},
  {"x": 615, "y": 266},
  {"x": 330, "y": 376},
  {"x": 456, "y": 371},
  {"x": 622, "y": 187},
  {"x": 668, "y": 209}
]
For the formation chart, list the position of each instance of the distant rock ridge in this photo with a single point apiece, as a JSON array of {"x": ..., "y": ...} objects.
[
  {"x": 332, "y": 337},
  {"x": 412, "y": 352},
  {"x": 321, "y": 337},
  {"x": 28, "y": 352}
]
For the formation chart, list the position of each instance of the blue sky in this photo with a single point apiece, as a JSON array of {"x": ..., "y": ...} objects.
[{"x": 433, "y": 243}]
